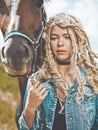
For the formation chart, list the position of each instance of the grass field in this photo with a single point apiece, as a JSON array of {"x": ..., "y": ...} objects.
[{"x": 8, "y": 100}]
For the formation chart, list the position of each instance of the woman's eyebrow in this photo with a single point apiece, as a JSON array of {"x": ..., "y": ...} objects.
[{"x": 55, "y": 34}]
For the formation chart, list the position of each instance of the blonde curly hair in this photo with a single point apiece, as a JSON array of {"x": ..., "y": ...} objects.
[{"x": 81, "y": 51}]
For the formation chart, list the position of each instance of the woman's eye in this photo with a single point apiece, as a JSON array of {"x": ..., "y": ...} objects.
[
  {"x": 67, "y": 37},
  {"x": 53, "y": 38}
]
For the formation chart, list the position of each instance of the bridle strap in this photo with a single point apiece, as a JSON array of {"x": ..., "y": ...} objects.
[
  {"x": 35, "y": 42},
  {"x": 25, "y": 36},
  {"x": 19, "y": 34},
  {"x": 34, "y": 60}
]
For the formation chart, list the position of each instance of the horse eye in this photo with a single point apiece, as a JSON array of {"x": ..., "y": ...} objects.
[{"x": 39, "y": 3}]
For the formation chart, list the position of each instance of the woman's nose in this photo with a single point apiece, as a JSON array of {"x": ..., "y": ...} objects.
[{"x": 60, "y": 42}]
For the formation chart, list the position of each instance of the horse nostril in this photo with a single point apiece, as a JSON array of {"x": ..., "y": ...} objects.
[
  {"x": 26, "y": 51},
  {"x": 3, "y": 52}
]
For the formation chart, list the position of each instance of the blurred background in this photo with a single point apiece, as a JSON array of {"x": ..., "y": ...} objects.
[
  {"x": 8, "y": 100},
  {"x": 86, "y": 11}
]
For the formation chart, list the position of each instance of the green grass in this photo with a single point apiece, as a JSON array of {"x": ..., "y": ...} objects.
[
  {"x": 7, "y": 110},
  {"x": 8, "y": 83},
  {"x": 7, "y": 119}
]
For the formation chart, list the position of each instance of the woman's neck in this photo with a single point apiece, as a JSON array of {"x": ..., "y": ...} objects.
[{"x": 65, "y": 69}]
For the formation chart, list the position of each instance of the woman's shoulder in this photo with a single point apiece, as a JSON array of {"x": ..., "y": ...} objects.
[{"x": 89, "y": 92}]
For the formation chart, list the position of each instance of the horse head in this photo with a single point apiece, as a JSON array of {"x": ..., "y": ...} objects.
[
  {"x": 22, "y": 23},
  {"x": 23, "y": 33}
]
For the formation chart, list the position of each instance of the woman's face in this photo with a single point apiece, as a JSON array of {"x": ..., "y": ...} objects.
[{"x": 61, "y": 44}]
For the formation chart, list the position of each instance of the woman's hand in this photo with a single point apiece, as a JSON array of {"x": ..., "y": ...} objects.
[{"x": 37, "y": 94}]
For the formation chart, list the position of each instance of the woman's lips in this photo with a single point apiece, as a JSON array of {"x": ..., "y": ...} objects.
[{"x": 61, "y": 52}]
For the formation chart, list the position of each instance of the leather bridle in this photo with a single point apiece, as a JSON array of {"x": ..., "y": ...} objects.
[{"x": 33, "y": 42}]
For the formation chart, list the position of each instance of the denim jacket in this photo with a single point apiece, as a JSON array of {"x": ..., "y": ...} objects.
[{"x": 82, "y": 116}]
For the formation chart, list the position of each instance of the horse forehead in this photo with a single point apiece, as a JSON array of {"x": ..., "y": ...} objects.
[
  {"x": 30, "y": 7},
  {"x": 32, "y": 2}
]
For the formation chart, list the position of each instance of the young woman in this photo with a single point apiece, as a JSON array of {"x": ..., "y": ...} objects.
[{"x": 63, "y": 94}]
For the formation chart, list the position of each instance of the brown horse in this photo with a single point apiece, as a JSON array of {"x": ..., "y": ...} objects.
[{"x": 22, "y": 23}]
